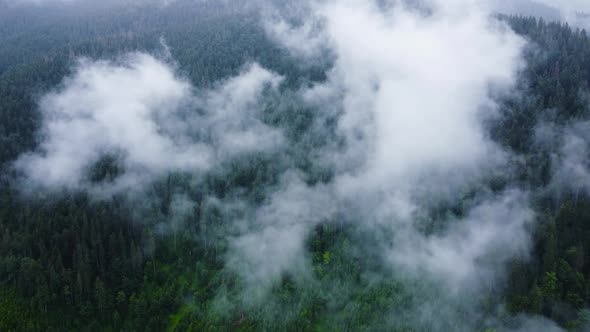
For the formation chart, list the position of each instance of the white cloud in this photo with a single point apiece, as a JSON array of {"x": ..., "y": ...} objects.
[
  {"x": 473, "y": 249},
  {"x": 140, "y": 111},
  {"x": 413, "y": 91},
  {"x": 274, "y": 239},
  {"x": 233, "y": 106},
  {"x": 568, "y": 6},
  {"x": 574, "y": 12},
  {"x": 569, "y": 147}
]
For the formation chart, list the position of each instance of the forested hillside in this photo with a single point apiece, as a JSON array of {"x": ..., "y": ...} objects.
[{"x": 158, "y": 260}]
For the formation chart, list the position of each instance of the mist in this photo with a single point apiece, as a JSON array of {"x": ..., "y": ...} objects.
[
  {"x": 413, "y": 103},
  {"x": 574, "y": 12},
  {"x": 151, "y": 121},
  {"x": 389, "y": 150}
]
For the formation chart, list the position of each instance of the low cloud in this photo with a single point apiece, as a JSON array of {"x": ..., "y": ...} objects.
[
  {"x": 413, "y": 90},
  {"x": 569, "y": 148},
  {"x": 413, "y": 100},
  {"x": 146, "y": 118},
  {"x": 574, "y": 12},
  {"x": 273, "y": 241},
  {"x": 410, "y": 89},
  {"x": 568, "y": 6},
  {"x": 472, "y": 250}
]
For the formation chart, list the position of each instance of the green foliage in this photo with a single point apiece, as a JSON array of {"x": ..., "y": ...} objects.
[{"x": 16, "y": 315}]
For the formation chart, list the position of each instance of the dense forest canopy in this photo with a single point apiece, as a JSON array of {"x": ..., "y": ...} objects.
[{"x": 337, "y": 165}]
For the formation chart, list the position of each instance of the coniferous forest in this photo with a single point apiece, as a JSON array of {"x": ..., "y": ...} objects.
[{"x": 342, "y": 166}]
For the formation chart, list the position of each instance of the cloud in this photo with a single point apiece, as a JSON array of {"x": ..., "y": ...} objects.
[
  {"x": 387, "y": 63},
  {"x": 574, "y": 12},
  {"x": 412, "y": 90},
  {"x": 472, "y": 249},
  {"x": 150, "y": 120},
  {"x": 529, "y": 324},
  {"x": 569, "y": 147},
  {"x": 526, "y": 7},
  {"x": 274, "y": 239},
  {"x": 232, "y": 120},
  {"x": 568, "y": 6},
  {"x": 573, "y": 168}
]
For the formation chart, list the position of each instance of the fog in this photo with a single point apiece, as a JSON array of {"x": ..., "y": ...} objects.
[
  {"x": 411, "y": 89},
  {"x": 138, "y": 111},
  {"x": 574, "y": 12}
]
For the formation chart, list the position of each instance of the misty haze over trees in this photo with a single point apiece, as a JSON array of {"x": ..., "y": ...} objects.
[{"x": 318, "y": 165}]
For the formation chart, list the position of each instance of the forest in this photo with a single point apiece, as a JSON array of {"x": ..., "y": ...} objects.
[{"x": 296, "y": 215}]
